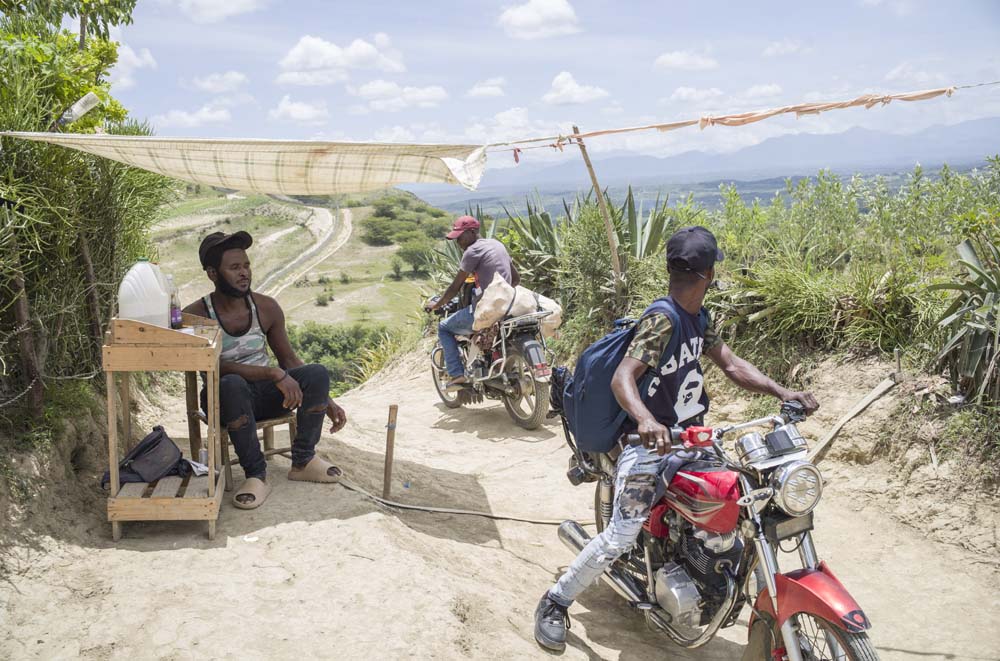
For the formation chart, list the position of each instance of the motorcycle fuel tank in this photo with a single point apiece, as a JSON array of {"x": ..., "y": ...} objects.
[{"x": 706, "y": 496}]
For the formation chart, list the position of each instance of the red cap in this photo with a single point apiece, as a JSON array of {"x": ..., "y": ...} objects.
[{"x": 462, "y": 224}]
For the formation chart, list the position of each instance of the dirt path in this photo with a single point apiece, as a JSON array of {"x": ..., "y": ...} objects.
[
  {"x": 331, "y": 239},
  {"x": 320, "y": 572}
]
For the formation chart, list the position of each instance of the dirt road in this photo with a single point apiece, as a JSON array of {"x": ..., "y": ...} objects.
[
  {"x": 333, "y": 236},
  {"x": 320, "y": 572}
]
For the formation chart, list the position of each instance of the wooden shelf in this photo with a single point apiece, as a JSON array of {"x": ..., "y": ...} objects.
[
  {"x": 134, "y": 346},
  {"x": 168, "y": 499}
]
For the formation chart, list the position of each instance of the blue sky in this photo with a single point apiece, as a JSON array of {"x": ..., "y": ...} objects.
[{"x": 480, "y": 71}]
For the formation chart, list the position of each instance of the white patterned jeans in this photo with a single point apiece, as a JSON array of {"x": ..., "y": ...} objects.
[{"x": 635, "y": 488}]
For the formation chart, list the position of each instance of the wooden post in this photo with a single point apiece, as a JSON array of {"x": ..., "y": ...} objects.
[
  {"x": 390, "y": 441},
  {"x": 114, "y": 485},
  {"x": 616, "y": 263},
  {"x": 126, "y": 399},
  {"x": 194, "y": 428}
]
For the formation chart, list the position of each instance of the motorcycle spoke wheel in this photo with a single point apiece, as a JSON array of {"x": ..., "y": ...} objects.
[
  {"x": 820, "y": 640},
  {"x": 439, "y": 373},
  {"x": 529, "y": 403}
]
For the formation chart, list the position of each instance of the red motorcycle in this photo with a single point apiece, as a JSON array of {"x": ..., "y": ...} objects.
[{"x": 717, "y": 530}]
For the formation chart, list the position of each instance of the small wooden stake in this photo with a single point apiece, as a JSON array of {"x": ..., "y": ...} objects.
[
  {"x": 390, "y": 442},
  {"x": 605, "y": 213}
]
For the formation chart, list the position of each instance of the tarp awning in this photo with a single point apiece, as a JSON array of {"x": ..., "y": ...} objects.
[{"x": 289, "y": 167}]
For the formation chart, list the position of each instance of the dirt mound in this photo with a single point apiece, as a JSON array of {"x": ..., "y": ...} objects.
[{"x": 320, "y": 571}]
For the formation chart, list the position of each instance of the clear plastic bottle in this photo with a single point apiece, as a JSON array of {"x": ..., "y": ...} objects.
[{"x": 175, "y": 304}]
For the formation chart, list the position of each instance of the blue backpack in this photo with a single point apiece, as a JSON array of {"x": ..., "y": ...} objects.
[{"x": 592, "y": 413}]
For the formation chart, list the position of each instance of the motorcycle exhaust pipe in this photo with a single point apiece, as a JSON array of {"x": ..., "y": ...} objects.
[{"x": 575, "y": 538}]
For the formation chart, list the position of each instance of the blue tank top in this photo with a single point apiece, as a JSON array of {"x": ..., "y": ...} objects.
[{"x": 676, "y": 392}]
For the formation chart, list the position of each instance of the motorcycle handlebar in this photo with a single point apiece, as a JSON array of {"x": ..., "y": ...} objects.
[{"x": 634, "y": 439}]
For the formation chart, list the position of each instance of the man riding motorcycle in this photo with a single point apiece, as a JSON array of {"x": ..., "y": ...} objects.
[
  {"x": 676, "y": 397},
  {"x": 484, "y": 258}
]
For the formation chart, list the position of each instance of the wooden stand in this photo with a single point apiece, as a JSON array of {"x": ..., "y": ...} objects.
[{"x": 133, "y": 346}]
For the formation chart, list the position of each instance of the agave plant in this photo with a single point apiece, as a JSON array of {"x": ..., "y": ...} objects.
[
  {"x": 535, "y": 241},
  {"x": 973, "y": 350}
]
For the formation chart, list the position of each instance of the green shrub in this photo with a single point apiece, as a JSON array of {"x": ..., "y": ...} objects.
[{"x": 338, "y": 348}]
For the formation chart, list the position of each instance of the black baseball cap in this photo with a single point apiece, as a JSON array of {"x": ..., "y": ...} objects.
[
  {"x": 692, "y": 249},
  {"x": 222, "y": 241}
]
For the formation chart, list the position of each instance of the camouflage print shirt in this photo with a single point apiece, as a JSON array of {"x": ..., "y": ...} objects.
[{"x": 653, "y": 334}]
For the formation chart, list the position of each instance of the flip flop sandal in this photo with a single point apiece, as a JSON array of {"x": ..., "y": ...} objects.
[
  {"x": 315, "y": 471},
  {"x": 255, "y": 487}
]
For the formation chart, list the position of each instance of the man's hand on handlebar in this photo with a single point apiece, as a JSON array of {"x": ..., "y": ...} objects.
[
  {"x": 432, "y": 304},
  {"x": 807, "y": 399},
  {"x": 654, "y": 435}
]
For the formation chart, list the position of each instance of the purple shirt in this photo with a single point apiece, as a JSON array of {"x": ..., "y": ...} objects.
[{"x": 486, "y": 258}]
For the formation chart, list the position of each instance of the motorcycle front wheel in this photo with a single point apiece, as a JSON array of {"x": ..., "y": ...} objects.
[
  {"x": 452, "y": 400},
  {"x": 819, "y": 640},
  {"x": 530, "y": 402}
]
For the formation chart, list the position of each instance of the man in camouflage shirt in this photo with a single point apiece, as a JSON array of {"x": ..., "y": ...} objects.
[{"x": 675, "y": 397}]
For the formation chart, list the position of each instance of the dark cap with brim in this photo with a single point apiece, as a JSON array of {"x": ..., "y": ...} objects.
[
  {"x": 221, "y": 241},
  {"x": 693, "y": 249}
]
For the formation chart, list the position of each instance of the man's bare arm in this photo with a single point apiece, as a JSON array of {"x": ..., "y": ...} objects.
[
  {"x": 626, "y": 391},
  {"x": 747, "y": 376},
  {"x": 515, "y": 276},
  {"x": 277, "y": 334}
]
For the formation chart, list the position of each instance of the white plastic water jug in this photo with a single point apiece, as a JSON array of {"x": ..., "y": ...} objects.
[{"x": 143, "y": 295}]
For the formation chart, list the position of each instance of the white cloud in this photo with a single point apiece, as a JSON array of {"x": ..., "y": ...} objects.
[
  {"x": 694, "y": 94},
  {"x": 565, "y": 90},
  {"x": 899, "y": 7},
  {"x": 537, "y": 19},
  {"x": 389, "y": 96},
  {"x": 311, "y": 78},
  {"x": 783, "y": 47},
  {"x": 395, "y": 134},
  {"x": 316, "y": 61},
  {"x": 488, "y": 87},
  {"x": 614, "y": 108},
  {"x": 299, "y": 111},
  {"x": 129, "y": 61},
  {"x": 219, "y": 83},
  {"x": 213, "y": 11},
  {"x": 685, "y": 60},
  {"x": 207, "y": 114},
  {"x": 907, "y": 74},
  {"x": 762, "y": 91}
]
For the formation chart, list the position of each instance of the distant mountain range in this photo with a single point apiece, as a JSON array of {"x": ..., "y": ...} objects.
[{"x": 803, "y": 154}]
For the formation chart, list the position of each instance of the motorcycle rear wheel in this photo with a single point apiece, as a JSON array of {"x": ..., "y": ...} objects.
[
  {"x": 452, "y": 400},
  {"x": 529, "y": 409},
  {"x": 814, "y": 635}
]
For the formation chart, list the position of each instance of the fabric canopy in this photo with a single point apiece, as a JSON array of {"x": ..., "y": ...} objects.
[{"x": 289, "y": 167}]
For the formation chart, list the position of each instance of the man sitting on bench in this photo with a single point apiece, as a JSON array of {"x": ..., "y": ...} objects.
[{"x": 250, "y": 388}]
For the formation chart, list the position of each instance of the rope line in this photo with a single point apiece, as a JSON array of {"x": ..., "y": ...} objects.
[
  {"x": 447, "y": 510},
  {"x": 732, "y": 119}
]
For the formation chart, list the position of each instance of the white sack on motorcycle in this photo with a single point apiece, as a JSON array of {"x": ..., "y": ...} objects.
[{"x": 497, "y": 299}]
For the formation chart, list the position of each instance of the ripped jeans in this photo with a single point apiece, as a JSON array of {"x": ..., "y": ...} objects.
[
  {"x": 635, "y": 488},
  {"x": 242, "y": 403}
]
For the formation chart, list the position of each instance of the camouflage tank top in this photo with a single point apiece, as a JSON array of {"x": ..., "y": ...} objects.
[{"x": 248, "y": 348}]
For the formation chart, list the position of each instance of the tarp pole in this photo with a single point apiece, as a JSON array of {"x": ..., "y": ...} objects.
[{"x": 616, "y": 263}]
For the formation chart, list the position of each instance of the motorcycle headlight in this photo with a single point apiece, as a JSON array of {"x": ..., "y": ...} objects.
[{"x": 797, "y": 486}]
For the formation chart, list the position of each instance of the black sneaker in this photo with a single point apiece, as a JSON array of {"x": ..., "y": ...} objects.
[{"x": 551, "y": 624}]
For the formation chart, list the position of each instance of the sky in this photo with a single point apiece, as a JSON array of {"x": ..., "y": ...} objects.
[{"x": 482, "y": 71}]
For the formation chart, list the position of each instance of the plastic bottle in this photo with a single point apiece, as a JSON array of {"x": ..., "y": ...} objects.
[
  {"x": 143, "y": 295},
  {"x": 175, "y": 304}
]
